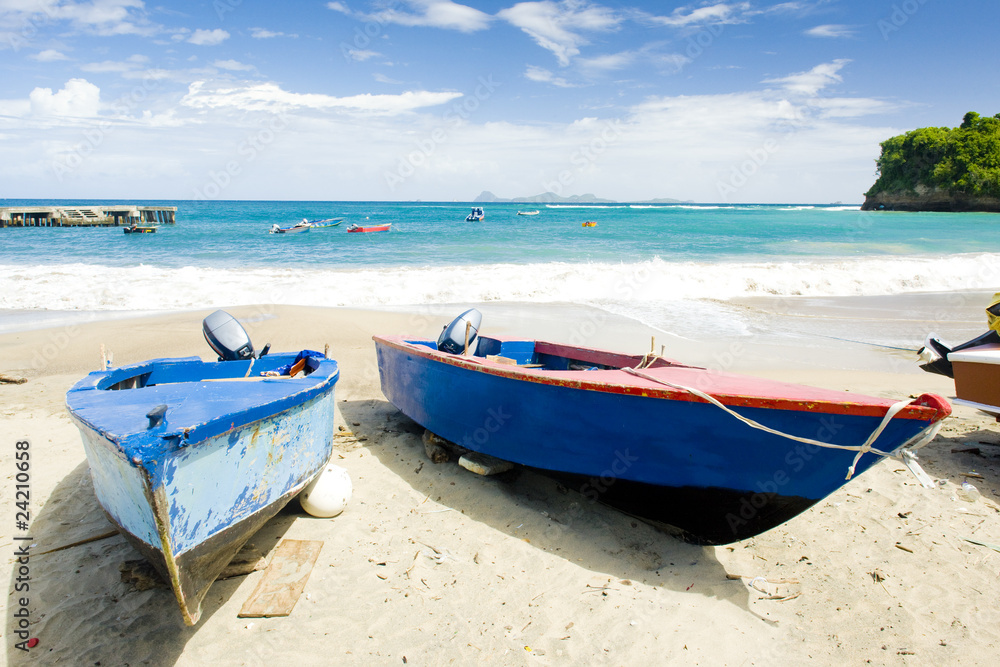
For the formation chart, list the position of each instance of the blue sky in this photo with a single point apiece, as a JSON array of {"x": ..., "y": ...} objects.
[{"x": 438, "y": 100}]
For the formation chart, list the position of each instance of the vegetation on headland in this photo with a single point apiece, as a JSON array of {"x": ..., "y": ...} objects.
[{"x": 940, "y": 168}]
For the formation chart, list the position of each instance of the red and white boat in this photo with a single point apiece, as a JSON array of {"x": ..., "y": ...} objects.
[{"x": 368, "y": 228}]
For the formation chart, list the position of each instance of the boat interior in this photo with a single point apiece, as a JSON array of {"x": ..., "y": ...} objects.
[{"x": 553, "y": 356}]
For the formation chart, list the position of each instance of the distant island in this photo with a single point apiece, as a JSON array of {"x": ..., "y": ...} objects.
[
  {"x": 487, "y": 197},
  {"x": 940, "y": 169}
]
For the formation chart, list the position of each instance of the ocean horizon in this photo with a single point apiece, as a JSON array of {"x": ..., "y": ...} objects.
[{"x": 681, "y": 268}]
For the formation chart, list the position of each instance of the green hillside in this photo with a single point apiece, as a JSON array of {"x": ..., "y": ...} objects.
[{"x": 964, "y": 160}]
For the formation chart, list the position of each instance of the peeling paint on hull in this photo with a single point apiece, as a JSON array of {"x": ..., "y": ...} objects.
[{"x": 189, "y": 505}]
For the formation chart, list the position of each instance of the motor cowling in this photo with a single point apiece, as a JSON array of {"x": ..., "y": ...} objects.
[
  {"x": 453, "y": 338},
  {"x": 227, "y": 337}
]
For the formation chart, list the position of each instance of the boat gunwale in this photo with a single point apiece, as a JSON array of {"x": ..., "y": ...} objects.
[
  {"x": 641, "y": 387},
  {"x": 129, "y": 444}
]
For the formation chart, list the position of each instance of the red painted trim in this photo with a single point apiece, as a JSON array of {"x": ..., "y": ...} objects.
[{"x": 731, "y": 390}]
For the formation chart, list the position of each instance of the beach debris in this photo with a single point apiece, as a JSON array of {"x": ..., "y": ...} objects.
[
  {"x": 974, "y": 475},
  {"x": 436, "y": 448},
  {"x": 10, "y": 379},
  {"x": 107, "y": 358},
  {"x": 900, "y": 546},
  {"x": 966, "y": 450},
  {"x": 283, "y": 581},
  {"x": 87, "y": 540},
  {"x": 484, "y": 464},
  {"x": 995, "y": 547},
  {"x": 967, "y": 492},
  {"x": 763, "y": 585}
]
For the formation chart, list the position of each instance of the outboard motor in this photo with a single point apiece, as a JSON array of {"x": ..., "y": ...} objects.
[
  {"x": 453, "y": 339},
  {"x": 228, "y": 337},
  {"x": 934, "y": 353}
]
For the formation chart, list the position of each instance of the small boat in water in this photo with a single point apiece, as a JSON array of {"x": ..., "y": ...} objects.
[
  {"x": 477, "y": 215},
  {"x": 136, "y": 229},
  {"x": 297, "y": 228},
  {"x": 527, "y": 212},
  {"x": 368, "y": 228},
  {"x": 589, "y": 223},
  {"x": 322, "y": 224},
  {"x": 721, "y": 456},
  {"x": 190, "y": 458}
]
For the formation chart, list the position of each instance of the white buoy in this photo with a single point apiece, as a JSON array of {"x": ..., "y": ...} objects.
[{"x": 327, "y": 495}]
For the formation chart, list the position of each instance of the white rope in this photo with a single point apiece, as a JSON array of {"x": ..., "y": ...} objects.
[{"x": 866, "y": 447}]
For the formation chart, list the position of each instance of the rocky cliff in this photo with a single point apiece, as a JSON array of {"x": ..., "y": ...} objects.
[{"x": 924, "y": 198}]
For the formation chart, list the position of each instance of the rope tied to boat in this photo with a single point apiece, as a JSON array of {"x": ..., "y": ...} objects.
[{"x": 864, "y": 448}]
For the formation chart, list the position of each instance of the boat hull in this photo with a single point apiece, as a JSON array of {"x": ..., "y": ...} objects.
[
  {"x": 189, "y": 504},
  {"x": 371, "y": 228},
  {"x": 653, "y": 453}
]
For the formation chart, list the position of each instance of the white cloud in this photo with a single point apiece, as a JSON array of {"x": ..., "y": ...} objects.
[
  {"x": 232, "y": 65},
  {"x": 130, "y": 64},
  {"x": 382, "y": 78},
  {"x": 48, "y": 56},
  {"x": 557, "y": 27},
  {"x": 100, "y": 17},
  {"x": 264, "y": 33},
  {"x": 542, "y": 75},
  {"x": 716, "y": 14},
  {"x": 813, "y": 81},
  {"x": 608, "y": 62},
  {"x": 832, "y": 30},
  {"x": 361, "y": 55},
  {"x": 270, "y": 97},
  {"x": 425, "y": 13},
  {"x": 78, "y": 98},
  {"x": 208, "y": 37}
]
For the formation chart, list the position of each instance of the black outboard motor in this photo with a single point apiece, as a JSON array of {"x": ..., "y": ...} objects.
[
  {"x": 228, "y": 337},
  {"x": 934, "y": 353},
  {"x": 453, "y": 339}
]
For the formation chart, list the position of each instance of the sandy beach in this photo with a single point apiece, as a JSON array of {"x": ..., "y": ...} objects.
[{"x": 433, "y": 565}]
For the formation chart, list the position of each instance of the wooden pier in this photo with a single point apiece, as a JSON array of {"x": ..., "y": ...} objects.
[{"x": 117, "y": 215}]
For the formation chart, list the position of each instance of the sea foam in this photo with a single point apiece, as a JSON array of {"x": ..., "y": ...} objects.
[{"x": 98, "y": 287}]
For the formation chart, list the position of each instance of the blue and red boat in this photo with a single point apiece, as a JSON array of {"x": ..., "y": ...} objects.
[
  {"x": 721, "y": 456},
  {"x": 190, "y": 458}
]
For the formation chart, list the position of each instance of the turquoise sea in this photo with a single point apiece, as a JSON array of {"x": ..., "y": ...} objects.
[{"x": 642, "y": 261}]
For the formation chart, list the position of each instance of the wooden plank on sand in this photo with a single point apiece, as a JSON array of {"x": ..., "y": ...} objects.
[{"x": 283, "y": 581}]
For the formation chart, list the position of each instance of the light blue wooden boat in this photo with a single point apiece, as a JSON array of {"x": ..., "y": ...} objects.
[{"x": 190, "y": 458}]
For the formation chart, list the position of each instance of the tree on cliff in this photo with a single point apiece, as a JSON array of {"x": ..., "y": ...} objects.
[{"x": 963, "y": 160}]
